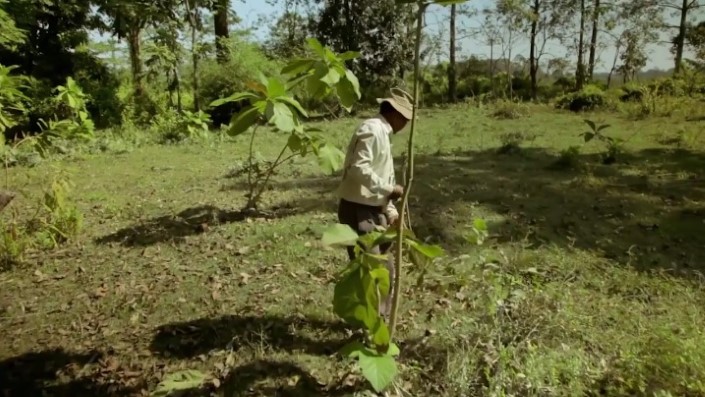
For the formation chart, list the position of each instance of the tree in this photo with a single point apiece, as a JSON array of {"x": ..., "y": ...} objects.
[
  {"x": 695, "y": 39},
  {"x": 682, "y": 9},
  {"x": 580, "y": 67},
  {"x": 53, "y": 32},
  {"x": 452, "y": 74},
  {"x": 375, "y": 28},
  {"x": 128, "y": 18},
  {"x": 287, "y": 36},
  {"x": 633, "y": 58},
  {"x": 596, "y": 11},
  {"x": 221, "y": 9}
]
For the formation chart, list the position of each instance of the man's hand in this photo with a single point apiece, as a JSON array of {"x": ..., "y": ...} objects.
[
  {"x": 397, "y": 192},
  {"x": 393, "y": 222}
]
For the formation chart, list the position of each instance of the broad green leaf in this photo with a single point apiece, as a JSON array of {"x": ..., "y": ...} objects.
[
  {"x": 353, "y": 349},
  {"x": 275, "y": 88},
  {"x": 330, "y": 158},
  {"x": 480, "y": 224},
  {"x": 346, "y": 94},
  {"x": 591, "y": 124},
  {"x": 298, "y": 66},
  {"x": 339, "y": 235},
  {"x": 294, "y": 103},
  {"x": 281, "y": 116},
  {"x": 393, "y": 350},
  {"x": 350, "y": 76},
  {"x": 316, "y": 46},
  {"x": 240, "y": 96},
  {"x": 331, "y": 78},
  {"x": 379, "y": 370},
  {"x": 380, "y": 336},
  {"x": 429, "y": 251},
  {"x": 381, "y": 276},
  {"x": 295, "y": 143},
  {"x": 588, "y": 136},
  {"x": 179, "y": 382},
  {"x": 316, "y": 88},
  {"x": 602, "y": 127},
  {"x": 346, "y": 56},
  {"x": 354, "y": 299},
  {"x": 244, "y": 120}
]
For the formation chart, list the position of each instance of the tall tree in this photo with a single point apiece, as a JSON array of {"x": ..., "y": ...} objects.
[
  {"x": 533, "y": 59},
  {"x": 128, "y": 19},
  {"x": 596, "y": 10},
  {"x": 195, "y": 23},
  {"x": 682, "y": 9},
  {"x": 376, "y": 28},
  {"x": 452, "y": 70},
  {"x": 580, "y": 67},
  {"x": 222, "y": 31}
]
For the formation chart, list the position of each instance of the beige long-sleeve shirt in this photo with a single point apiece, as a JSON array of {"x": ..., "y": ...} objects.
[{"x": 368, "y": 176}]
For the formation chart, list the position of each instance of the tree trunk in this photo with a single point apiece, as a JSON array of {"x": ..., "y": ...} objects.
[
  {"x": 680, "y": 39},
  {"x": 133, "y": 42},
  {"x": 618, "y": 47},
  {"x": 534, "y": 64},
  {"x": 452, "y": 75},
  {"x": 193, "y": 21},
  {"x": 494, "y": 88},
  {"x": 221, "y": 30},
  {"x": 593, "y": 39},
  {"x": 580, "y": 70}
]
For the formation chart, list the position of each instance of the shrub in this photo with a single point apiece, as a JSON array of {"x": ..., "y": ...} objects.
[
  {"x": 631, "y": 93},
  {"x": 509, "y": 110},
  {"x": 221, "y": 80},
  {"x": 589, "y": 98},
  {"x": 569, "y": 159}
]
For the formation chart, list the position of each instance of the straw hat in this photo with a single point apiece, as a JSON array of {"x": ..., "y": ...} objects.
[{"x": 400, "y": 101}]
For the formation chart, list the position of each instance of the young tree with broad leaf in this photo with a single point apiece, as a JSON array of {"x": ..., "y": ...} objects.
[{"x": 366, "y": 280}]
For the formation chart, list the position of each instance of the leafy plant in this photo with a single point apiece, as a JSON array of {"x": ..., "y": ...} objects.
[
  {"x": 509, "y": 110},
  {"x": 77, "y": 125},
  {"x": 271, "y": 100},
  {"x": 569, "y": 159},
  {"x": 365, "y": 280},
  {"x": 614, "y": 146},
  {"x": 11, "y": 97},
  {"x": 362, "y": 285},
  {"x": 590, "y": 98}
]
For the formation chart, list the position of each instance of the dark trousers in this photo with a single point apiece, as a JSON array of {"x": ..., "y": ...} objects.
[{"x": 364, "y": 219}]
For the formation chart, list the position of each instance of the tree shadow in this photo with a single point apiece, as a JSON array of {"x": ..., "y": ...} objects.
[
  {"x": 641, "y": 211},
  {"x": 191, "y": 221},
  {"x": 290, "y": 334},
  {"x": 60, "y": 373}
]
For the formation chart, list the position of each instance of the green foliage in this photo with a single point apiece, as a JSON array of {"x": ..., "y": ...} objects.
[
  {"x": 362, "y": 286},
  {"x": 614, "y": 146},
  {"x": 77, "y": 126},
  {"x": 173, "y": 127},
  {"x": 11, "y": 98},
  {"x": 569, "y": 159},
  {"x": 591, "y": 97},
  {"x": 56, "y": 221},
  {"x": 220, "y": 79},
  {"x": 10, "y": 35}
]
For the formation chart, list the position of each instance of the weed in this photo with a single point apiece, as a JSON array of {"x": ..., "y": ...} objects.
[{"x": 569, "y": 159}]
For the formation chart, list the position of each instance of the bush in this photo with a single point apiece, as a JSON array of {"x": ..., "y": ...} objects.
[
  {"x": 222, "y": 80},
  {"x": 631, "y": 93},
  {"x": 590, "y": 98},
  {"x": 509, "y": 110}
]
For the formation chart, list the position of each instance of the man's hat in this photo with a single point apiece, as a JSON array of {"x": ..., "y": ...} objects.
[{"x": 400, "y": 101}]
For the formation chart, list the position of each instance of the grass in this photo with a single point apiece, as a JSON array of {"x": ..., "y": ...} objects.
[{"x": 589, "y": 285}]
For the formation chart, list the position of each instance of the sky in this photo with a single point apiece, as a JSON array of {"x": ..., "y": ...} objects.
[{"x": 659, "y": 55}]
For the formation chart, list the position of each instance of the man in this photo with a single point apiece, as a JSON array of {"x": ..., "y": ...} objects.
[{"x": 368, "y": 188}]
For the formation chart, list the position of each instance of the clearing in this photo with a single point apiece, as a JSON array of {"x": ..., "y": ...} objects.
[{"x": 590, "y": 283}]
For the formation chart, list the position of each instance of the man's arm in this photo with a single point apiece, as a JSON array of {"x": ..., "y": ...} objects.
[{"x": 361, "y": 164}]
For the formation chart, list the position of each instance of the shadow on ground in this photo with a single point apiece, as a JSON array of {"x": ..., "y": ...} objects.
[
  {"x": 291, "y": 335},
  {"x": 648, "y": 210},
  {"x": 60, "y": 373},
  {"x": 191, "y": 221}
]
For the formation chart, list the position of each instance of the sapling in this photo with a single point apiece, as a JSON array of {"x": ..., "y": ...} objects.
[{"x": 365, "y": 280}]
